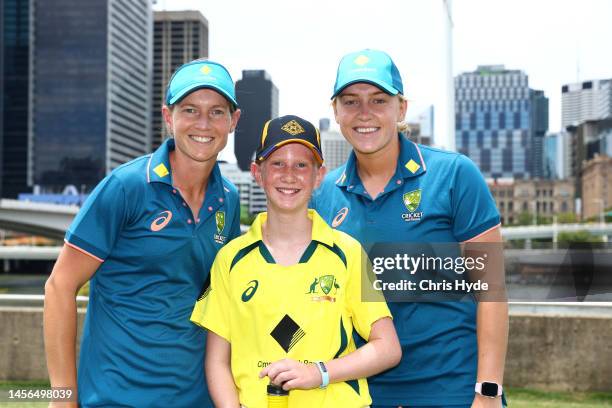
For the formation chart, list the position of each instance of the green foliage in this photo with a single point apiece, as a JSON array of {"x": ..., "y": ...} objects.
[
  {"x": 567, "y": 218},
  {"x": 578, "y": 236},
  {"x": 246, "y": 218}
]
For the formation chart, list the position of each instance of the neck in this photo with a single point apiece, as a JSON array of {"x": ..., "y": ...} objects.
[
  {"x": 379, "y": 165},
  {"x": 188, "y": 175},
  {"x": 283, "y": 229}
]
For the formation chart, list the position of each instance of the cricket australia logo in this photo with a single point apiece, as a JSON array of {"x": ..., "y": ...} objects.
[
  {"x": 322, "y": 289},
  {"x": 412, "y": 200},
  {"x": 220, "y": 221}
]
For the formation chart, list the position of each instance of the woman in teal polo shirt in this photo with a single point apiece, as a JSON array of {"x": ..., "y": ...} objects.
[
  {"x": 146, "y": 237},
  {"x": 392, "y": 189}
]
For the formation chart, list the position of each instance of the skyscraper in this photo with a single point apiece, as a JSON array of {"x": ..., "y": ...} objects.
[
  {"x": 335, "y": 149},
  {"x": 258, "y": 99},
  {"x": 500, "y": 122},
  {"x": 179, "y": 37},
  {"x": 588, "y": 100},
  {"x": 14, "y": 69},
  {"x": 90, "y": 89}
]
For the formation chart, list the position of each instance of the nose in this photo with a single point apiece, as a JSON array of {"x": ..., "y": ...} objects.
[
  {"x": 203, "y": 122},
  {"x": 364, "y": 111},
  {"x": 288, "y": 175}
]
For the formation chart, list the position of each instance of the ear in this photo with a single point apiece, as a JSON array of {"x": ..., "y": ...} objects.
[
  {"x": 167, "y": 114},
  {"x": 321, "y": 172},
  {"x": 334, "y": 104},
  {"x": 235, "y": 118},
  {"x": 256, "y": 173},
  {"x": 402, "y": 109}
]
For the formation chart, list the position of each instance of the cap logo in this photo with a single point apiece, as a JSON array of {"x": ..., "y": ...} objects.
[
  {"x": 293, "y": 128},
  {"x": 361, "y": 60},
  {"x": 205, "y": 69}
]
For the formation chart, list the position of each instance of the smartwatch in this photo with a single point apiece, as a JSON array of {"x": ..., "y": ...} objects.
[
  {"x": 324, "y": 374},
  {"x": 488, "y": 389}
]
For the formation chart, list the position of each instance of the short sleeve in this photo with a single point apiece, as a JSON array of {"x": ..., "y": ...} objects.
[
  {"x": 98, "y": 224},
  {"x": 473, "y": 208},
  {"x": 365, "y": 305},
  {"x": 212, "y": 310}
]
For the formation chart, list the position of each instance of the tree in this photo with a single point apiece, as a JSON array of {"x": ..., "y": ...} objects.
[{"x": 578, "y": 236}]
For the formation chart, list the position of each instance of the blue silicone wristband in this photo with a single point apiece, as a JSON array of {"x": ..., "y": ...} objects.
[{"x": 324, "y": 374}]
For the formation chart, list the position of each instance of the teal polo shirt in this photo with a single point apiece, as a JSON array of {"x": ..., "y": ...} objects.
[
  {"x": 434, "y": 196},
  {"x": 139, "y": 348}
]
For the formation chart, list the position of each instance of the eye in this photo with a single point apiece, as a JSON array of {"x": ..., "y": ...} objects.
[
  {"x": 379, "y": 101},
  {"x": 301, "y": 165},
  {"x": 217, "y": 112},
  {"x": 189, "y": 110},
  {"x": 349, "y": 102}
]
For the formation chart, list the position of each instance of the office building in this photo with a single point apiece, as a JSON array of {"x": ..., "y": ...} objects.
[
  {"x": 500, "y": 122},
  {"x": 14, "y": 83},
  {"x": 584, "y": 101},
  {"x": 586, "y": 141},
  {"x": 178, "y": 37},
  {"x": 596, "y": 186},
  {"x": 90, "y": 89},
  {"x": 538, "y": 198},
  {"x": 257, "y": 97},
  {"x": 335, "y": 148},
  {"x": 252, "y": 196}
]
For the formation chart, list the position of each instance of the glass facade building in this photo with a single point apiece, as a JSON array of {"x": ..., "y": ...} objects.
[
  {"x": 258, "y": 99},
  {"x": 14, "y": 69},
  {"x": 179, "y": 37},
  {"x": 500, "y": 122},
  {"x": 90, "y": 89}
]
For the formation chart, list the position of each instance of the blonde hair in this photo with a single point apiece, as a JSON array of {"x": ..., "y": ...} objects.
[{"x": 402, "y": 126}]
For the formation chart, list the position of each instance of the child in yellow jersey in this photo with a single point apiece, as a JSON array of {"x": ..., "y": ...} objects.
[{"x": 285, "y": 297}]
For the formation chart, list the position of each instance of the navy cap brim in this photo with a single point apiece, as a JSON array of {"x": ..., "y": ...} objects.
[
  {"x": 192, "y": 88},
  {"x": 266, "y": 153},
  {"x": 380, "y": 85}
]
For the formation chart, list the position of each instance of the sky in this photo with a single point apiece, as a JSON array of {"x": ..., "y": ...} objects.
[{"x": 300, "y": 44}]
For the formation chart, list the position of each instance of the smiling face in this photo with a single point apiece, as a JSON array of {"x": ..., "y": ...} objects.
[
  {"x": 368, "y": 118},
  {"x": 288, "y": 177},
  {"x": 200, "y": 123}
]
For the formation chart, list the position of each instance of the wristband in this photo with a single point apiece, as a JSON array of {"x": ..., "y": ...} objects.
[
  {"x": 488, "y": 389},
  {"x": 324, "y": 374}
]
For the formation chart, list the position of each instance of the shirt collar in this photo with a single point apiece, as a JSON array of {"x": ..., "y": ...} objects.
[
  {"x": 158, "y": 167},
  {"x": 321, "y": 232},
  {"x": 410, "y": 163},
  {"x": 160, "y": 171}
]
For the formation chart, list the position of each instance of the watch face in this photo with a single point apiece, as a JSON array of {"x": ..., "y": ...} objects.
[{"x": 489, "y": 389}]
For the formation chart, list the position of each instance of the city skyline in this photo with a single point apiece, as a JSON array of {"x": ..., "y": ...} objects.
[{"x": 553, "y": 42}]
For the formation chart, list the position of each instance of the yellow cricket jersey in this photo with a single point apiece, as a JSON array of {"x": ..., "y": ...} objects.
[{"x": 305, "y": 311}]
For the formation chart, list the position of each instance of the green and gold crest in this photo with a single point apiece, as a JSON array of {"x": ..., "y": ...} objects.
[
  {"x": 220, "y": 219},
  {"x": 412, "y": 200},
  {"x": 326, "y": 283}
]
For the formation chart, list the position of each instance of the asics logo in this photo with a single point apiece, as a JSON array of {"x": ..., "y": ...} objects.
[
  {"x": 161, "y": 221},
  {"x": 340, "y": 217}
]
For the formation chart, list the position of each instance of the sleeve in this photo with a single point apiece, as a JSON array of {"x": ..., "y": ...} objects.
[
  {"x": 98, "y": 224},
  {"x": 473, "y": 207},
  {"x": 212, "y": 310},
  {"x": 365, "y": 304}
]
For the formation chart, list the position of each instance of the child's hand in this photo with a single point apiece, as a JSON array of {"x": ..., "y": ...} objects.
[{"x": 291, "y": 374}]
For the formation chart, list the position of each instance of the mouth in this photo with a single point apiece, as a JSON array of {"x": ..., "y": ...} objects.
[
  {"x": 366, "y": 130},
  {"x": 288, "y": 191},
  {"x": 201, "y": 139}
]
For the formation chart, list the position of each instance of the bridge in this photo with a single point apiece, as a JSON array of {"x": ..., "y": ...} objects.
[
  {"x": 52, "y": 220},
  {"x": 48, "y": 220}
]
